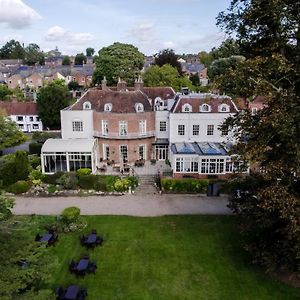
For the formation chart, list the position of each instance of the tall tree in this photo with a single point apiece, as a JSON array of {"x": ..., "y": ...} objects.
[
  {"x": 168, "y": 57},
  {"x": 90, "y": 51},
  {"x": 10, "y": 135},
  {"x": 34, "y": 55},
  {"x": 268, "y": 35},
  {"x": 50, "y": 101},
  {"x": 166, "y": 76},
  {"x": 12, "y": 50},
  {"x": 80, "y": 59},
  {"x": 228, "y": 48},
  {"x": 66, "y": 61},
  {"x": 118, "y": 60}
]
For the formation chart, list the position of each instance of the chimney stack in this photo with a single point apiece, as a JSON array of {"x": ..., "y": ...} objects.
[
  {"x": 103, "y": 84},
  {"x": 138, "y": 84},
  {"x": 122, "y": 85}
]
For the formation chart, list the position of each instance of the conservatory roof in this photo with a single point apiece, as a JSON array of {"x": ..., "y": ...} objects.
[
  {"x": 202, "y": 148},
  {"x": 68, "y": 145}
]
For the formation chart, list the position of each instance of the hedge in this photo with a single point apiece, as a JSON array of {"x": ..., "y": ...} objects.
[
  {"x": 35, "y": 148},
  {"x": 185, "y": 185},
  {"x": 51, "y": 178}
]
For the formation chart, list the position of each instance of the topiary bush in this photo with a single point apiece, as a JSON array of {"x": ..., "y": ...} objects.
[
  {"x": 19, "y": 187},
  {"x": 22, "y": 165},
  {"x": 7, "y": 172},
  {"x": 186, "y": 185},
  {"x": 83, "y": 171},
  {"x": 70, "y": 214},
  {"x": 35, "y": 148},
  {"x": 68, "y": 181}
]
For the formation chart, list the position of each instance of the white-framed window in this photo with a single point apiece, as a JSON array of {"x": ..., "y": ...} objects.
[
  {"x": 205, "y": 108},
  {"x": 104, "y": 127},
  {"x": 179, "y": 164},
  {"x": 196, "y": 129},
  {"x": 87, "y": 105},
  {"x": 31, "y": 119},
  {"x": 187, "y": 108},
  {"x": 77, "y": 125},
  {"x": 123, "y": 128},
  {"x": 20, "y": 118},
  {"x": 35, "y": 126},
  {"x": 142, "y": 152},
  {"x": 210, "y": 129},
  {"x": 142, "y": 127},
  {"x": 212, "y": 165},
  {"x": 124, "y": 153},
  {"x": 107, "y": 107},
  {"x": 224, "y": 108},
  {"x": 180, "y": 129},
  {"x": 139, "y": 107},
  {"x": 163, "y": 126}
]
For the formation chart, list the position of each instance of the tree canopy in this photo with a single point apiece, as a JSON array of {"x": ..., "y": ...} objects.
[
  {"x": 50, "y": 101},
  {"x": 271, "y": 138},
  {"x": 90, "y": 51},
  {"x": 118, "y": 60},
  {"x": 10, "y": 135},
  {"x": 34, "y": 55},
  {"x": 166, "y": 76},
  {"x": 168, "y": 57},
  {"x": 80, "y": 59},
  {"x": 12, "y": 50},
  {"x": 66, "y": 60}
]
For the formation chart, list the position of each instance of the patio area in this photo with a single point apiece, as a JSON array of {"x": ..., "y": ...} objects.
[{"x": 129, "y": 169}]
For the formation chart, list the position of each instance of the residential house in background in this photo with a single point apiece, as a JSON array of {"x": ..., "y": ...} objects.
[{"x": 24, "y": 114}]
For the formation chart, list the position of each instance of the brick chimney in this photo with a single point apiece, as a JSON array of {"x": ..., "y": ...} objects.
[
  {"x": 103, "y": 84},
  {"x": 138, "y": 84},
  {"x": 122, "y": 85}
]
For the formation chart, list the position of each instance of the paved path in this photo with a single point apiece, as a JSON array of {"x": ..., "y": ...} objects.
[{"x": 132, "y": 205}]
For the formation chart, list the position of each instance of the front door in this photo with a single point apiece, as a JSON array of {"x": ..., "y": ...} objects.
[{"x": 161, "y": 152}]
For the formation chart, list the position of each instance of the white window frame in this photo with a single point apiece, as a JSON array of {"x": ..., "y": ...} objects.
[
  {"x": 139, "y": 107},
  {"x": 224, "y": 108},
  {"x": 196, "y": 129},
  {"x": 104, "y": 127},
  {"x": 205, "y": 108},
  {"x": 187, "y": 108},
  {"x": 107, "y": 107},
  {"x": 181, "y": 129},
  {"x": 77, "y": 126},
  {"x": 87, "y": 105},
  {"x": 106, "y": 152},
  {"x": 142, "y": 127},
  {"x": 210, "y": 129},
  {"x": 162, "y": 126},
  {"x": 123, "y": 128},
  {"x": 144, "y": 154}
]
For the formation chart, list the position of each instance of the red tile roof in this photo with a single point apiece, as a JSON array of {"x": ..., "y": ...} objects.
[
  {"x": 122, "y": 102},
  {"x": 19, "y": 108}
]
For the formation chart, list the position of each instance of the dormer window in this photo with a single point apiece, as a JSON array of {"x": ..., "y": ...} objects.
[
  {"x": 187, "y": 108},
  {"x": 108, "y": 107},
  {"x": 139, "y": 107},
  {"x": 205, "y": 108},
  {"x": 87, "y": 105},
  {"x": 223, "y": 108}
]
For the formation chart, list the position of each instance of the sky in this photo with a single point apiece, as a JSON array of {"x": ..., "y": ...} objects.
[{"x": 187, "y": 26}]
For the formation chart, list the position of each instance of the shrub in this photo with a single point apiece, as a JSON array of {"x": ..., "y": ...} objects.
[
  {"x": 70, "y": 215},
  {"x": 83, "y": 171},
  {"x": 51, "y": 179},
  {"x": 87, "y": 181},
  {"x": 34, "y": 161},
  {"x": 68, "y": 181},
  {"x": 109, "y": 181},
  {"x": 185, "y": 185},
  {"x": 52, "y": 189},
  {"x": 133, "y": 181},
  {"x": 36, "y": 175},
  {"x": 122, "y": 185},
  {"x": 100, "y": 184},
  {"x": 8, "y": 172},
  {"x": 35, "y": 148},
  {"x": 41, "y": 137},
  {"x": 19, "y": 187}
]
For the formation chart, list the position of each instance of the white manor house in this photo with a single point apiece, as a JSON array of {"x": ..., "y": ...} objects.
[{"x": 123, "y": 126}]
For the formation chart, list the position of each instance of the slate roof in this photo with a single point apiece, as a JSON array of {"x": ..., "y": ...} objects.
[
  {"x": 192, "y": 67},
  {"x": 122, "y": 102},
  {"x": 197, "y": 100},
  {"x": 19, "y": 108},
  {"x": 163, "y": 92}
]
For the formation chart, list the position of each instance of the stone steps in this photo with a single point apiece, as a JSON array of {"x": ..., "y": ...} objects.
[{"x": 146, "y": 185}]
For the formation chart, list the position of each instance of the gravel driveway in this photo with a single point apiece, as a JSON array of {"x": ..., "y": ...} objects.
[{"x": 132, "y": 205}]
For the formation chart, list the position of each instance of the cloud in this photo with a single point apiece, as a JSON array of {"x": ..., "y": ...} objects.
[
  {"x": 57, "y": 33},
  {"x": 16, "y": 14},
  {"x": 142, "y": 33}
]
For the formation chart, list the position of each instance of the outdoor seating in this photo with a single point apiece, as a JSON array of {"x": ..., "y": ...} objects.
[
  {"x": 91, "y": 240},
  {"x": 82, "y": 267},
  {"x": 72, "y": 292},
  {"x": 50, "y": 238},
  {"x": 92, "y": 267}
]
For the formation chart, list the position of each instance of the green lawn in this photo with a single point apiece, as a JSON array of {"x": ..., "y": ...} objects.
[{"x": 174, "y": 257}]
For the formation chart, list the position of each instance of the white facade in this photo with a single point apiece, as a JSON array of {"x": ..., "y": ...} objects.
[
  {"x": 162, "y": 124},
  {"x": 207, "y": 123},
  {"x": 77, "y": 124},
  {"x": 28, "y": 123}
]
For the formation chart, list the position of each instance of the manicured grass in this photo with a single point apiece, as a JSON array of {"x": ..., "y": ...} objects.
[{"x": 166, "y": 258}]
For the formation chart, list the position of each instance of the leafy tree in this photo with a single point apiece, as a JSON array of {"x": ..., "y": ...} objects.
[
  {"x": 168, "y": 57},
  {"x": 10, "y": 135},
  {"x": 228, "y": 48},
  {"x": 271, "y": 138},
  {"x": 80, "y": 59},
  {"x": 90, "y": 51},
  {"x": 34, "y": 55},
  {"x": 206, "y": 58},
  {"x": 12, "y": 50},
  {"x": 66, "y": 61},
  {"x": 73, "y": 86},
  {"x": 50, "y": 101},
  {"x": 194, "y": 78},
  {"x": 166, "y": 76},
  {"x": 118, "y": 60},
  {"x": 5, "y": 92}
]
